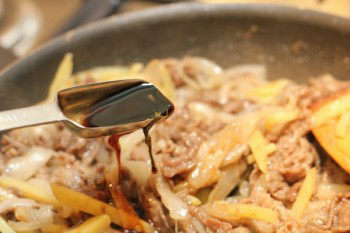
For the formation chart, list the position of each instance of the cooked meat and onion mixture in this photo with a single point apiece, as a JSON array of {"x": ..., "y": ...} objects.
[{"x": 240, "y": 154}]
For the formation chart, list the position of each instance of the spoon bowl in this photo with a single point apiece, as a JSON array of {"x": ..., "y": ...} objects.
[{"x": 96, "y": 110}]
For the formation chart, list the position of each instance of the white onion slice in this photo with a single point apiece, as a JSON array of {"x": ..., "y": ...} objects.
[
  {"x": 8, "y": 205},
  {"x": 23, "y": 226},
  {"x": 228, "y": 181},
  {"x": 177, "y": 207},
  {"x": 25, "y": 166},
  {"x": 141, "y": 170},
  {"x": 256, "y": 70}
]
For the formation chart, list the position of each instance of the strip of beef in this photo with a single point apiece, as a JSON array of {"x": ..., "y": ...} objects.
[
  {"x": 155, "y": 211},
  {"x": 341, "y": 214},
  {"x": 294, "y": 156},
  {"x": 214, "y": 224},
  {"x": 317, "y": 217},
  {"x": 177, "y": 141}
]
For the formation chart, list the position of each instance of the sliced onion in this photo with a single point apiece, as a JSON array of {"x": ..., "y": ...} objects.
[
  {"x": 92, "y": 151},
  {"x": 256, "y": 70},
  {"x": 244, "y": 188},
  {"x": 206, "y": 73},
  {"x": 129, "y": 142},
  {"x": 25, "y": 166},
  {"x": 228, "y": 181},
  {"x": 198, "y": 226},
  {"x": 6, "y": 194},
  {"x": 200, "y": 111},
  {"x": 103, "y": 155},
  {"x": 25, "y": 214},
  {"x": 331, "y": 190},
  {"x": 235, "y": 155},
  {"x": 177, "y": 207},
  {"x": 213, "y": 151},
  {"x": 23, "y": 226},
  {"x": 9, "y": 205},
  {"x": 141, "y": 170},
  {"x": 42, "y": 135},
  {"x": 45, "y": 215}
]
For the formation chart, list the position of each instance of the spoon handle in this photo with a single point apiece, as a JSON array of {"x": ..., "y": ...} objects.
[{"x": 34, "y": 115}]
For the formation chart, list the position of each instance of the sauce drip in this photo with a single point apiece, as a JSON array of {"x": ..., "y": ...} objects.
[
  {"x": 118, "y": 196},
  {"x": 113, "y": 141},
  {"x": 148, "y": 141},
  {"x": 120, "y": 201},
  {"x": 135, "y": 103},
  {"x": 139, "y": 102}
]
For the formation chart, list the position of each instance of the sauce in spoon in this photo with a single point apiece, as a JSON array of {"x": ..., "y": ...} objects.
[{"x": 134, "y": 103}]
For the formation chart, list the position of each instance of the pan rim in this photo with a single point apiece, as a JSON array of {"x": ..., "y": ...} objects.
[{"x": 184, "y": 9}]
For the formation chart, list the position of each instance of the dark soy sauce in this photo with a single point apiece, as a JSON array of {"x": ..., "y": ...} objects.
[
  {"x": 138, "y": 102},
  {"x": 148, "y": 141},
  {"x": 135, "y": 103},
  {"x": 118, "y": 196},
  {"x": 113, "y": 141}
]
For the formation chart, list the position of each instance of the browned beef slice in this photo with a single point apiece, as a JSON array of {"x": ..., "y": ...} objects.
[{"x": 155, "y": 211}]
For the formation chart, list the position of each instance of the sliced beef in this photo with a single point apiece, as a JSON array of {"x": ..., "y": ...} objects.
[
  {"x": 341, "y": 215},
  {"x": 293, "y": 157},
  {"x": 177, "y": 141},
  {"x": 214, "y": 224},
  {"x": 155, "y": 211},
  {"x": 316, "y": 217},
  {"x": 280, "y": 189}
]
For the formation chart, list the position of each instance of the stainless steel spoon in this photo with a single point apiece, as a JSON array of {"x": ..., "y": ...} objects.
[{"x": 96, "y": 109}]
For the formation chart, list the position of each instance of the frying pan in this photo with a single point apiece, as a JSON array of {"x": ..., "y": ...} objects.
[{"x": 292, "y": 43}]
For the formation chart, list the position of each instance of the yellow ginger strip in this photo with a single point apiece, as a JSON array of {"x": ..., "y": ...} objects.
[
  {"x": 278, "y": 116},
  {"x": 305, "y": 193},
  {"x": 231, "y": 212},
  {"x": 4, "y": 227},
  {"x": 28, "y": 190},
  {"x": 261, "y": 148},
  {"x": 82, "y": 202},
  {"x": 95, "y": 224},
  {"x": 54, "y": 228},
  {"x": 63, "y": 77},
  {"x": 268, "y": 91}
]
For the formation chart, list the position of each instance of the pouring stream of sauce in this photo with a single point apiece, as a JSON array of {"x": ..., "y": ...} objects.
[{"x": 136, "y": 103}]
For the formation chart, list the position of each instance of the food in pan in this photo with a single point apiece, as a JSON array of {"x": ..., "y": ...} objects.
[{"x": 241, "y": 153}]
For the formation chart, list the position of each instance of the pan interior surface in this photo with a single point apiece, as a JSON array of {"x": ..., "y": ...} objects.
[{"x": 292, "y": 43}]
